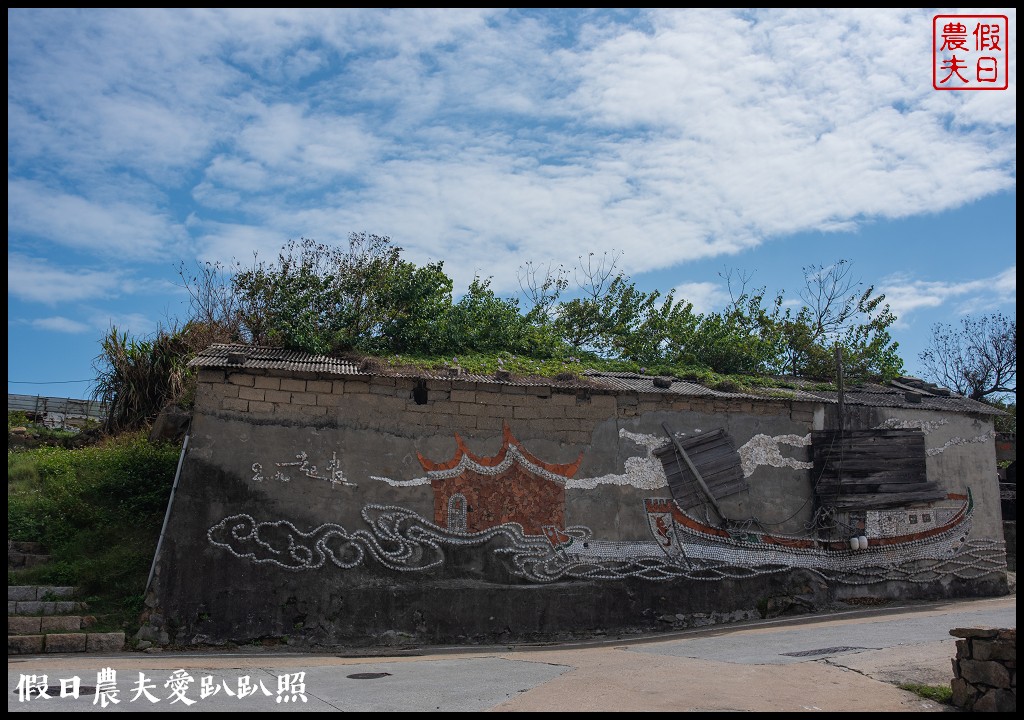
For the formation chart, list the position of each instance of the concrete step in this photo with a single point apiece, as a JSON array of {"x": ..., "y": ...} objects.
[
  {"x": 20, "y": 561},
  {"x": 49, "y": 600},
  {"x": 45, "y": 607}
]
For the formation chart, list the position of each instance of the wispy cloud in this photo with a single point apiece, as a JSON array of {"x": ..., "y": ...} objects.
[
  {"x": 98, "y": 322},
  {"x": 61, "y": 324},
  {"x": 105, "y": 228},
  {"x": 136, "y": 325},
  {"x": 39, "y": 281},
  {"x": 485, "y": 137},
  {"x": 905, "y": 295}
]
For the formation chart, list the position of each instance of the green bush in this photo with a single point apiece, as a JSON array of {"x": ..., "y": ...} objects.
[
  {"x": 22, "y": 470},
  {"x": 98, "y": 511}
]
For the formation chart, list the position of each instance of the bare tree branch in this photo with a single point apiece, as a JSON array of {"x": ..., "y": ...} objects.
[{"x": 977, "y": 360}]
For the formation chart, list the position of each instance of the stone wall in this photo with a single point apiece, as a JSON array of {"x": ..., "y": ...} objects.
[
  {"x": 369, "y": 509},
  {"x": 985, "y": 669},
  {"x": 1010, "y": 537}
]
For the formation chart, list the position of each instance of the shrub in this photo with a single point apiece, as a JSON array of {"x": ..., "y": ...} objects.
[{"x": 98, "y": 510}]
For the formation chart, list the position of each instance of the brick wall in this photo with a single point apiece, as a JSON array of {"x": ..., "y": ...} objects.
[{"x": 570, "y": 413}]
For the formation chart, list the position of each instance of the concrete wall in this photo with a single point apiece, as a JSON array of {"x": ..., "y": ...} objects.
[{"x": 313, "y": 508}]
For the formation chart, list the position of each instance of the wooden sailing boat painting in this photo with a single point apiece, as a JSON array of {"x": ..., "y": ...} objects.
[{"x": 683, "y": 536}]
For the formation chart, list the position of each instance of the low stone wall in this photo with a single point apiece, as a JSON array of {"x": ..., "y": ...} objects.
[{"x": 985, "y": 669}]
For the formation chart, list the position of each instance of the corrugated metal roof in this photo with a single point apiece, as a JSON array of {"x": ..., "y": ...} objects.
[
  {"x": 896, "y": 397},
  {"x": 904, "y": 393},
  {"x": 268, "y": 358},
  {"x": 646, "y": 384}
]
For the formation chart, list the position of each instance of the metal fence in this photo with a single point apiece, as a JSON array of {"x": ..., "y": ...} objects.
[{"x": 57, "y": 412}]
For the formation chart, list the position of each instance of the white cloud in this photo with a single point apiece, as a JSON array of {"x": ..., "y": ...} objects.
[
  {"x": 62, "y": 324},
  {"x": 486, "y": 137},
  {"x": 705, "y": 296},
  {"x": 293, "y": 144},
  {"x": 99, "y": 322},
  {"x": 136, "y": 325}
]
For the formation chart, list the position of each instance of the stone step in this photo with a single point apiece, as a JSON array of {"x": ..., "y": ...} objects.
[
  {"x": 41, "y": 625},
  {"x": 22, "y": 554},
  {"x": 44, "y": 607},
  {"x": 20, "y": 561},
  {"x": 44, "y": 618},
  {"x": 65, "y": 643},
  {"x": 21, "y": 593}
]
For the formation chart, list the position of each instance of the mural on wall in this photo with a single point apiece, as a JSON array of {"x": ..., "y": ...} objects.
[
  {"x": 334, "y": 474},
  {"x": 474, "y": 493},
  {"x": 514, "y": 503},
  {"x": 696, "y": 541},
  {"x": 766, "y": 450},
  {"x": 644, "y": 472}
]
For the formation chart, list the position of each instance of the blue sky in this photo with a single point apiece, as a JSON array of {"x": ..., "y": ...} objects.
[{"x": 692, "y": 142}]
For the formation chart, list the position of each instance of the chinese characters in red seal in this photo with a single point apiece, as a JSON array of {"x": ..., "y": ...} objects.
[{"x": 970, "y": 52}]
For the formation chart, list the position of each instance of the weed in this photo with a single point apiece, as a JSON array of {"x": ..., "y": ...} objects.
[{"x": 938, "y": 693}]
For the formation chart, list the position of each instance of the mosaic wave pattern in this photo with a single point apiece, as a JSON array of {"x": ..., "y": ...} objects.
[{"x": 402, "y": 540}]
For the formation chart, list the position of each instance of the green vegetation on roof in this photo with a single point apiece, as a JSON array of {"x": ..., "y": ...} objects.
[{"x": 367, "y": 299}]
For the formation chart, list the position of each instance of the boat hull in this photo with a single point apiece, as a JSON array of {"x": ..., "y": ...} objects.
[{"x": 687, "y": 539}]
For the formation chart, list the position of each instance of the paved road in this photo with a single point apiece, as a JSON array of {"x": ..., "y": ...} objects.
[{"x": 846, "y": 662}]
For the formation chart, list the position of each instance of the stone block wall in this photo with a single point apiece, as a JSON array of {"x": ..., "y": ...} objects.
[
  {"x": 569, "y": 413},
  {"x": 985, "y": 669}
]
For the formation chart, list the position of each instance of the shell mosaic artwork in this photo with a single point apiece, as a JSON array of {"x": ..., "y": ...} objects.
[{"x": 512, "y": 504}]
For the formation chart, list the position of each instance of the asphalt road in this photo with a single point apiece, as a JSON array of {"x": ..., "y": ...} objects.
[{"x": 836, "y": 663}]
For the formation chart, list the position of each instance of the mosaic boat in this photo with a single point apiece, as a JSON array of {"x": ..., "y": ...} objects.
[{"x": 688, "y": 540}]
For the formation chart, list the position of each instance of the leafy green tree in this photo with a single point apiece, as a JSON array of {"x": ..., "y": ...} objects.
[
  {"x": 1005, "y": 423},
  {"x": 482, "y": 322},
  {"x": 365, "y": 297},
  {"x": 411, "y": 320},
  {"x": 323, "y": 299},
  {"x": 741, "y": 339},
  {"x": 582, "y": 323}
]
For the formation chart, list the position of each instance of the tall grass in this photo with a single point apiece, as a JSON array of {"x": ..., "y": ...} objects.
[
  {"x": 138, "y": 377},
  {"x": 98, "y": 511}
]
